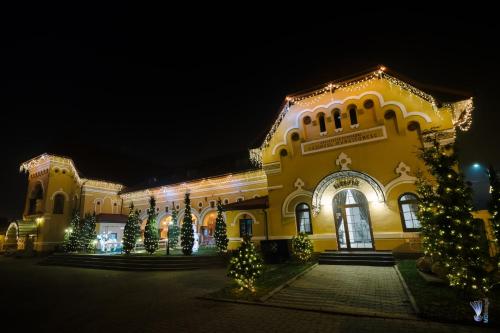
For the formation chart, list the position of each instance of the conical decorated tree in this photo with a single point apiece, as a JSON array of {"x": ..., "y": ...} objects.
[
  {"x": 75, "y": 234},
  {"x": 302, "y": 247},
  {"x": 130, "y": 231},
  {"x": 173, "y": 229},
  {"x": 427, "y": 206},
  {"x": 151, "y": 237},
  {"x": 494, "y": 204},
  {"x": 221, "y": 239},
  {"x": 187, "y": 233},
  {"x": 89, "y": 233},
  {"x": 137, "y": 225},
  {"x": 246, "y": 265},
  {"x": 454, "y": 240}
]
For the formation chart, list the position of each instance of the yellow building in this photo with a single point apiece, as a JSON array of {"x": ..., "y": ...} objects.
[{"x": 339, "y": 163}]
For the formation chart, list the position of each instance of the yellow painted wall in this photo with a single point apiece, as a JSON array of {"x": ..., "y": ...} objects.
[
  {"x": 258, "y": 217},
  {"x": 378, "y": 159}
]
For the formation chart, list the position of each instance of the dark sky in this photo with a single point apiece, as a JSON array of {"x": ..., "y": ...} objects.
[{"x": 130, "y": 92}]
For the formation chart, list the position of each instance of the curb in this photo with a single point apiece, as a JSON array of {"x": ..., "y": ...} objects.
[
  {"x": 369, "y": 314},
  {"x": 407, "y": 291},
  {"x": 286, "y": 284}
]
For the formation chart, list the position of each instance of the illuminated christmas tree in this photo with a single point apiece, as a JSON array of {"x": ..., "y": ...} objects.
[
  {"x": 75, "y": 243},
  {"x": 494, "y": 204},
  {"x": 151, "y": 237},
  {"x": 187, "y": 233},
  {"x": 221, "y": 239},
  {"x": 130, "y": 231},
  {"x": 173, "y": 229},
  {"x": 89, "y": 235},
  {"x": 246, "y": 265},
  {"x": 137, "y": 225},
  {"x": 451, "y": 234},
  {"x": 302, "y": 247}
]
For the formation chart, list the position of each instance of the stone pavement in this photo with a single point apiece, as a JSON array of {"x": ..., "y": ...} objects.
[
  {"x": 67, "y": 299},
  {"x": 348, "y": 289}
]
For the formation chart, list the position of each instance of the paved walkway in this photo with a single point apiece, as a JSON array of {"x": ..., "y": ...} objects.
[
  {"x": 348, "y": 289},
  {"x": 66, "y": 299}
]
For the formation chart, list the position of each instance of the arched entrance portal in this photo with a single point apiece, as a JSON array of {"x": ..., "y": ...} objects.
[
  {"x": 207, "y": 229},
  {"x": 352, "y": 220}
]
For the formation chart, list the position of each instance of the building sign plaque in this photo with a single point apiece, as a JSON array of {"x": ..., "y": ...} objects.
[
  {"x": 338, "y": 141},
  {"x": 346, "y": 182}
]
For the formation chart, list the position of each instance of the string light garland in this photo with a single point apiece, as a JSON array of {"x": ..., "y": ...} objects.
[{"x": 461, "y": 110}]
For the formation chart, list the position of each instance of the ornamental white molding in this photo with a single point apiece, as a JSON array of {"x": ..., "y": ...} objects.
[
  {"x": 382, "y": 104},
  {"x": 403, "y": 171},
  {"x": 60, "y": 191},
  {"x": 326, "y": 190},
  {"x": 235, "y": 219},
  {"x": 343, "y": 161},
  {"x": 180, "y": 215},
  {"x": 396, "y": 235},
  {"x": 286, "y": 209},
  {"x": 15, "y": 226}
]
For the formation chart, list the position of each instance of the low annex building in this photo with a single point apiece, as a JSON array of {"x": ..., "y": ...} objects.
[{"x": 339, "y": 163}]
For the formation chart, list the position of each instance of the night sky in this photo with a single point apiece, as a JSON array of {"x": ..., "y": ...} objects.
[{"x": 130, "y": 93}]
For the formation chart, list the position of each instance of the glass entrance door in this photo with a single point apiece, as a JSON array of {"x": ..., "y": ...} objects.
[{"x": 352, "y": 220}]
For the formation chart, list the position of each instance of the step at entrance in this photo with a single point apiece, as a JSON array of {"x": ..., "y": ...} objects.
[{"x": 360, "y": 258}]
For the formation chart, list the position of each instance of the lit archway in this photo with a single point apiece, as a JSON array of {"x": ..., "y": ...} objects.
[{"x": 207, "y": 228}]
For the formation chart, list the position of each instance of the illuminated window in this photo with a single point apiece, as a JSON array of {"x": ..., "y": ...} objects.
[
  {"x": 245, "y": 227},
  {"x": 58, "y": 204},
  {"x": 303, "y": 217},
  {"x": 353, "y": 115},
  {"x": 408, "y": 207}
]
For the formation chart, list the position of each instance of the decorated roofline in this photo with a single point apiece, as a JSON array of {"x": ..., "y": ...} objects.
[
  {"x": 461, "y": 110},
  {"x": 51, "y": 158},
  {"x": 193, "y": 185}
]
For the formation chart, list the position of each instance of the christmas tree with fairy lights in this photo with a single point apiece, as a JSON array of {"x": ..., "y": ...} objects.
[
  {"x": 450, "y": 233},
  {"x": 221, "y": 239},
  {"x": 151, "y": 237},
  {"x": 302, "y": 247},
  {"x": 130, "y": 231},
  {"x": 187, "y": 233},
  {"x": 246, "y": 266},
  {"x": 173, "y": 229}
]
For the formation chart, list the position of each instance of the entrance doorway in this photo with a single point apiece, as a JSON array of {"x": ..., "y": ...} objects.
[{"x": 352, "y": 220}]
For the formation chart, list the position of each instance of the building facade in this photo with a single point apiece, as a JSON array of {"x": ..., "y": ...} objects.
[{"x": 339, "y": 163}]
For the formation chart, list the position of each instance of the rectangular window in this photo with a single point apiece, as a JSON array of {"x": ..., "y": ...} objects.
[
  {"x": 304, "y": 222},
  {"x": 245, "y": 227}
]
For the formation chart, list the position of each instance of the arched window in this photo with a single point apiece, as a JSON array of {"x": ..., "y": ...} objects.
[
  {"x": 303, "y": 217},
  {"x": 58, "y": 204},
  {"x": 336, "y": 118},
  {"x": 322, "y": 124},
  {"x": 36, "y": 194},
  {"x": 408, "y": 207},
  {"x": 353, "y": 115}
]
